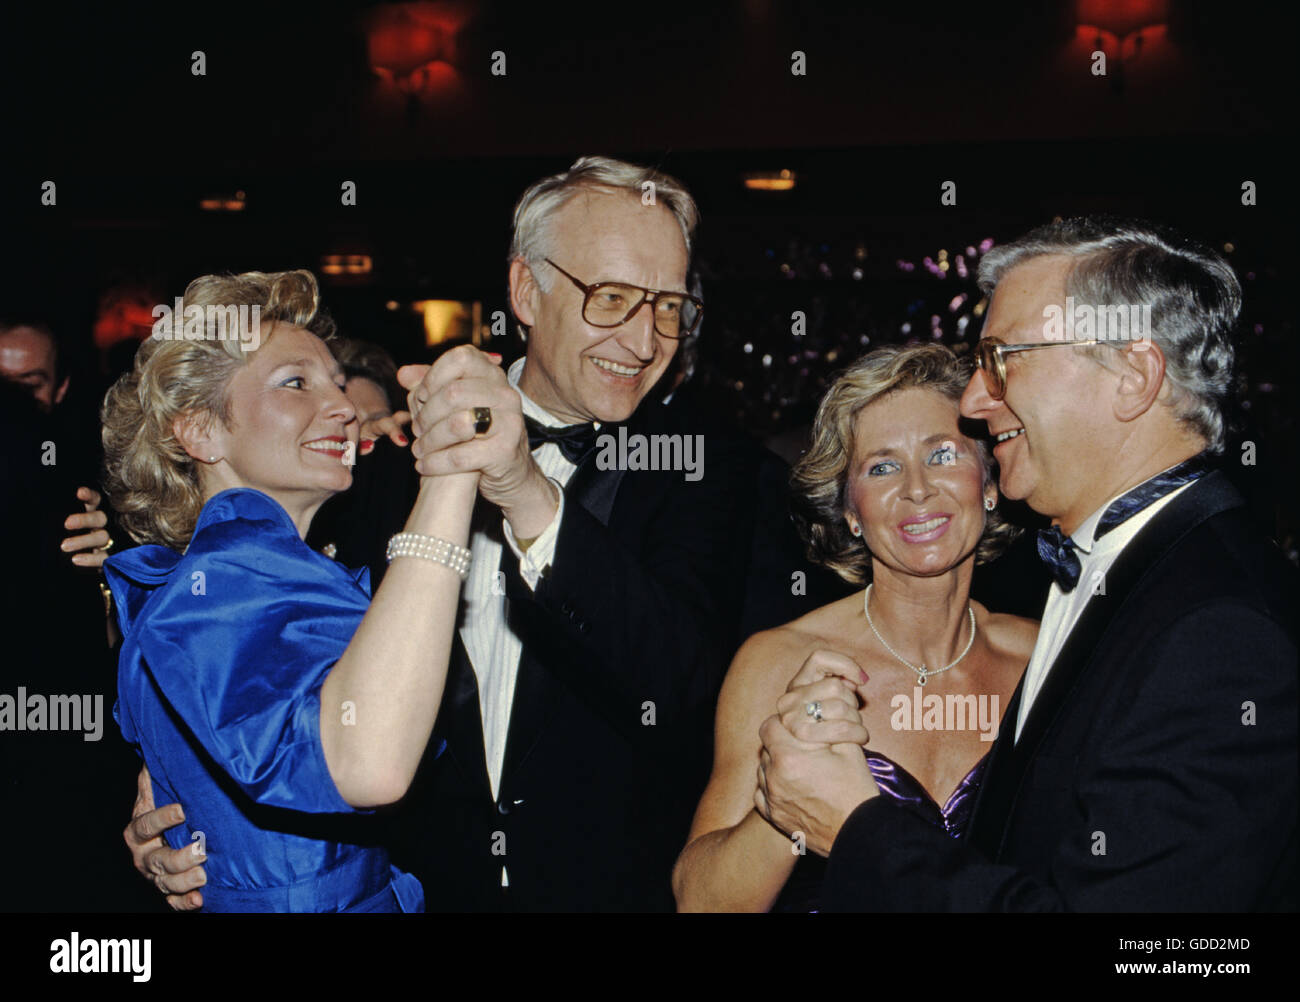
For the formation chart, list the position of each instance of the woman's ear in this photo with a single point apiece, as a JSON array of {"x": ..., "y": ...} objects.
[
  {"x": 194, "y": 432},
  {"x": 855, "y": 527}
]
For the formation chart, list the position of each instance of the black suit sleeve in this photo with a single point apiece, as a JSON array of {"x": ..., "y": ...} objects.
[
  {"x": 1185, "y": 799},
  {"x": 650, "y": 614},
  {"x": 886, "y": 859}
]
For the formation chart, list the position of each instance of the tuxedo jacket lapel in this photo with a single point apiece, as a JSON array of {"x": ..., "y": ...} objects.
[
  {"x": 461, "y": 720},
  {"x": 984, "y": 828},
  {"x": 596, "y": 490},
  {"x": 1011, "y": 758},
  {"x": 531, "y": 705}
]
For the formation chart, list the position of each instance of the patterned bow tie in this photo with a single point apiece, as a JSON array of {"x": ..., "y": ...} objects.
[
  {"x": 1057, "y": 550},
  {"x": 575, "y": 441}
]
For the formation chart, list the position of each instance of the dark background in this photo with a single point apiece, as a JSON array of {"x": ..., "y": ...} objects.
[{"x": 896, "y": 100}]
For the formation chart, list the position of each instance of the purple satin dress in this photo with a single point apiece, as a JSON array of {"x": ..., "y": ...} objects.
[{"x": 802, "y": 890}]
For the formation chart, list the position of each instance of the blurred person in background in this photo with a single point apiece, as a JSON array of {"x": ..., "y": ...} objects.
[{"x": 52, "y": 617}]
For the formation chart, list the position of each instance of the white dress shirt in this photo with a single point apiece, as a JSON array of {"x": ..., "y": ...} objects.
[
  {"x": 493, "y": 647},
  {"x": 1064, "y": 608}
]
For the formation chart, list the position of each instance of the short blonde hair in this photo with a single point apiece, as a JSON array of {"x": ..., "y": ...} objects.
[
  {"x": 819, "y": 479},
  {"x": 151, "y": 482}
]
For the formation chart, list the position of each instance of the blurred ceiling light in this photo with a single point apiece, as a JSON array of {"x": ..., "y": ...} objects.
[
  {"x": 223, "y": 203},
  {"x": 1122, "y": 17},
  {"x": 772, "y": 180},
  {"x": 1123, "y": 20},
  {"x": 346, "y": 264},
  {"x": 413, "y": 45}
]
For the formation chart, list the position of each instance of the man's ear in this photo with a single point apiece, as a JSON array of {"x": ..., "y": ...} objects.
[
  {"x": 62, "y": 391},
  {"x": 195, "y": 433},
  {"x": 524, "y": 292},
  {"x": 1141, "y": 382}
]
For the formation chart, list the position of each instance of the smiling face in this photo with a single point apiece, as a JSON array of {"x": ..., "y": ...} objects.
[
  {"x": 916, "y": 483},
  {"x": 291, "y": 426},
  {"x": 576, "y": 371},
  {"x": 1049, "y": 439}
]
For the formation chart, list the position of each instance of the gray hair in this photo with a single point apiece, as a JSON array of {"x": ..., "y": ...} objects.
[
  {"x": 536, "y": 207},
  {"x": 1194, "y": 296}
]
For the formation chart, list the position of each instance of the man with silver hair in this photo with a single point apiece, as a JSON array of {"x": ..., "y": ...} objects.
[
  {"x": 1148, "y": 760},
  {"x": 602, "y": 604},
  {"x": 571, "y": 773}
]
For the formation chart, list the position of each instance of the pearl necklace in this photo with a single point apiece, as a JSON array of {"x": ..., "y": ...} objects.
[{"x": 922, "y": 673}]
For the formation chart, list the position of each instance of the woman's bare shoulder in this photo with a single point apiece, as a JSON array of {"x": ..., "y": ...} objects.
[
  {"x": 768, "y": 660},
  {"x": 1012, "y": 635}
]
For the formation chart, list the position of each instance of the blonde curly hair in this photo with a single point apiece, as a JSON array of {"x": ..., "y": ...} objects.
[
  {"x": 151, "y": 482},
  {"x": 820, "y": 477}
]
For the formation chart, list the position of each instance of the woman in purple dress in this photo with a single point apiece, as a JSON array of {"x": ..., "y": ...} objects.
[{"x": 894, "y": 497}]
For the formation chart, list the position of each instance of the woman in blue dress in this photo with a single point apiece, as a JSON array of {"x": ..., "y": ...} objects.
[
  {"x": 891, "y": 495},
  {"x": 266, "y": 691}
]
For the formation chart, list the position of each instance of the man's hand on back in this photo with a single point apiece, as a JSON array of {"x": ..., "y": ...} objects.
[{"x": 175, "y": 872}]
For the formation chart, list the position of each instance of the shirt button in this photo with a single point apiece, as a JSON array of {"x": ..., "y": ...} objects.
[{"x": 503, "y": 807}]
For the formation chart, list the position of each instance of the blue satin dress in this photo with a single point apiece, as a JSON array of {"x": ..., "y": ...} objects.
[
  {"x": 802, "y": 890},
  {"x": 219, "y": 679}
]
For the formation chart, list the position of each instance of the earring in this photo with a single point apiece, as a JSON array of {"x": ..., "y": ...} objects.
[
  {"x": 212, "y": 459},
  {"x": 856, "y": 530},
  {"x": 990, "y": 504}
]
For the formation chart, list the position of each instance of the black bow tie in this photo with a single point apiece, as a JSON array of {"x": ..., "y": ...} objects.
[
  {"x": 1057, "y": 550},
  {"x": 575, "y": 441}
]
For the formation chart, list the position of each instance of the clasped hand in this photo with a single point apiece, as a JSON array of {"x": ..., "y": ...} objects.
[
  {"x": 443, "y": 398},
  {"x": 812, "y": 773}
]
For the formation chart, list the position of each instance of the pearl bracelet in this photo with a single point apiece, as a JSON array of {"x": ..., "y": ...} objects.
[{"x": 440, "y": 551}]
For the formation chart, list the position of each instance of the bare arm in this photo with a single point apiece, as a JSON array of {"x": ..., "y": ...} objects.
[
  {"x": 734, "y": 860},
  {"x": 379, "y": 701}
]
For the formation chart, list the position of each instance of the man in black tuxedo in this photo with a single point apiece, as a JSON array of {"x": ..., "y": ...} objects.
[
  {"x": 604, "y": 599},
  {"x": 568, "y": 782},
  {"x": 1148, "y": 760}
]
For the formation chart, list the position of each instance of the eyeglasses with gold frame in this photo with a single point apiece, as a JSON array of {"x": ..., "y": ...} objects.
[
  {"x": 612, "y": 304},
  {"x": 991, "y": 359}
]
